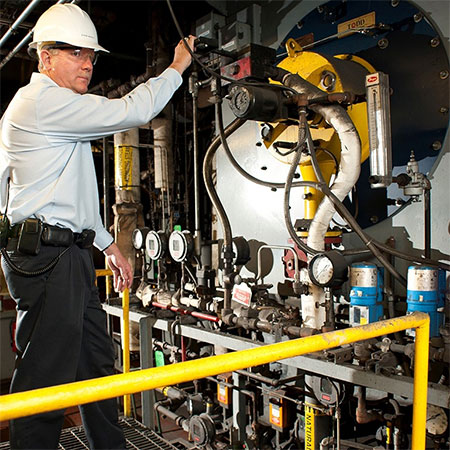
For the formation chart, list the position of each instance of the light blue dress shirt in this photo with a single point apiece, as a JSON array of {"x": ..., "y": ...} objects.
[{"x": 45, "y": 148}]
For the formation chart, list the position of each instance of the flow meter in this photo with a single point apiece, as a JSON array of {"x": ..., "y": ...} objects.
[
  {"x": 328, "y": 269},
  {"x": 156, "y": 244},
  {"x": 138, "y": 237},
  {"x": 181, "y": 245}
]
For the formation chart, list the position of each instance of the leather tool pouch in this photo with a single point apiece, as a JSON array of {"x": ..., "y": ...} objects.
[
  {"x": 30, "y": 234},
  {"x": 86, "y": 239},
  {"x": 56, "y": 236}
]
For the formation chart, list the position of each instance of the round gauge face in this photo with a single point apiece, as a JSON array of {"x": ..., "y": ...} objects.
[
  {"x": 321, "y": 269},
  {"x": 437, "y": 421},
  {"x": 178, "y": 246},
  {"x": 138, "y": 237},
  {"x": 153, "y": 245}
]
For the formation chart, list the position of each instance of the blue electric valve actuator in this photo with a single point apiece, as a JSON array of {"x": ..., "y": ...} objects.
[
  {"x": 366, "y": 293},
  {"x": 423, "y": 294}
]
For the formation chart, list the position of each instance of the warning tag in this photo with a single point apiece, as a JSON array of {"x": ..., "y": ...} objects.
[{"x": 242, "y": 294}]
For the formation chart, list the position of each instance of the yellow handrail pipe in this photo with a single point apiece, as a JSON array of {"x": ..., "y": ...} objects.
[
  {"x": 59, "y": 397},
  {"x": 126, "y": 346},
  {"x": 125, "y": 326}
]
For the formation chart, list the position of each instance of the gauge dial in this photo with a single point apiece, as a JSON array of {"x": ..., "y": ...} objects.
[
  {"x": 322, "y": 270},
  {"x": 181, "y": 245},
  {"x": 138, "y": 237},
  {"x": 328, "y": 269},
  {"x": 156, "y": 244}
]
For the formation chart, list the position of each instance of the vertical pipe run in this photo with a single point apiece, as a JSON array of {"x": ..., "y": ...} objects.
[
  {"x": 193, "y": 89},
  {"x": 427, "y": 224},
  {"x": 421, "y": 350},
  {"x": 126, "y": 346}
]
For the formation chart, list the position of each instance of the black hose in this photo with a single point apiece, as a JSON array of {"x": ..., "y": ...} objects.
[
  {"x": 350, "y": 219},
  {"x": 302, "y": 136}
]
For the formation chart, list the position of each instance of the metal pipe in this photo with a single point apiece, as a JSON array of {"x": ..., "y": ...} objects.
[
  {"x": 186, "y": 312},
  {"x": 11, "y": 54},
  {"x": 19, "y": 20},
  {"x": 193, "y": 89},
  {"x": 126, "y": 346},
  {"x": 278, "y": 247},
  {"x": 427, "y": 220},
  {"x": 59, "y": 397}
]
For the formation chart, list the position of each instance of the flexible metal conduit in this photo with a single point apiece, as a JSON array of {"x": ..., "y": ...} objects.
[
  {"x": 207, "y": 177},
  {"x": 58, "y": 397}
]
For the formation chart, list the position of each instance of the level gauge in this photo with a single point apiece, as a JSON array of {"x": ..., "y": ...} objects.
[
  {"x": 138, "y": 237},
  {"x": 156, "y": 244},
  {"x": 328, "y": 269},
  {"x": 181, "y": 245}
]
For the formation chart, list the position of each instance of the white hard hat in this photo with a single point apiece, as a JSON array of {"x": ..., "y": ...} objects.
[{"x": 66, "y": 24}]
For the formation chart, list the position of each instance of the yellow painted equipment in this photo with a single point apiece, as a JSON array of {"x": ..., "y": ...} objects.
[{"x": 330, "y": 74}]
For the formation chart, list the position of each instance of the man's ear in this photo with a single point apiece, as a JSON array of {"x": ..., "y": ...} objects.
[{"x": 45, "y": 57}]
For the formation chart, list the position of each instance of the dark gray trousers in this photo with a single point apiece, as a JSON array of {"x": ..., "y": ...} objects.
[{"x": 61, "y": 337}]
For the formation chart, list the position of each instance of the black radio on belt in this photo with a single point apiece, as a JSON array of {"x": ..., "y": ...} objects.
[{"x": 30, "y": 234}]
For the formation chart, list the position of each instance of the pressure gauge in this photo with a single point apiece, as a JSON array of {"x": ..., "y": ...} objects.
[
  {"x": 241, "y": 251},
  {"x": 156, "y": 244},
  {"x": 328, "y": 269},
  {"x": 437, "y": 421},
  {"x": 181, "y": 245},
  {"x": 138, "y": 237}
]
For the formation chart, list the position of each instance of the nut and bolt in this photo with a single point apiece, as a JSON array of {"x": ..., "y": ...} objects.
[
  {"x": 383, "y": 43},
  {"x": 443, "y": 110},
  {"x": 436, "y": 145},
  {"x": 418, "y": 17},
  {"x": 443, "y": 74},
  {"x": 435, "y": 42},
  {"x": 394, "y": 3}
]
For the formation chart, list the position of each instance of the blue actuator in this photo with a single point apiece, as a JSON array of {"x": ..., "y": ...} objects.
[
  {"x": 423, "y": 295},
  {"x": 366, "y": 293}
]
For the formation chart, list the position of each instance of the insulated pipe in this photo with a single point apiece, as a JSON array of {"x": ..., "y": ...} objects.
[
  {"x": 59, "y": 397},
  {"x": 19, "y": 20},
  {"x": 350, "y": 162}
]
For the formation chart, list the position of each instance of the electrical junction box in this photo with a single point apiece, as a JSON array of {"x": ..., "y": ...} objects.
[
  {"x": 252, "y": 62},
  {"x": 234, "y": 36},
  {"x": 209, "y": 25}
]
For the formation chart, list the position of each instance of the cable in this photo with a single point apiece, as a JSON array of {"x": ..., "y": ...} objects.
[
  {"x": 215, "y": 74},
  {"x": 33, "y": 273}
]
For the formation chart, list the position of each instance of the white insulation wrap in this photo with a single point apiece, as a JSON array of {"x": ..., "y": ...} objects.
[{"x": 350, "y": 163}]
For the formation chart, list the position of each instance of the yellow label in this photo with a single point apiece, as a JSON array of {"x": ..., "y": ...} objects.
[
  {"x": 309, "y": 428},
  {"x": 123, "y": 165},
  {"x": 365, "y": 21}
]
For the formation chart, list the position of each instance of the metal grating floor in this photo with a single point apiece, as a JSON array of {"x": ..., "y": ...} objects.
[{"x": 137, "y": 437}]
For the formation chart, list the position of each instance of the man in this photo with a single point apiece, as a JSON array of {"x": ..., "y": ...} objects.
[{"x": 49, "y": 194}]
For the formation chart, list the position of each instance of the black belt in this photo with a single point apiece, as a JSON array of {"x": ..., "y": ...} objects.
[{"x": 58, "y": 236}]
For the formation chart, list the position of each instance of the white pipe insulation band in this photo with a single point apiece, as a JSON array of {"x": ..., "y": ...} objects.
[{"x": 350, "y": 163}]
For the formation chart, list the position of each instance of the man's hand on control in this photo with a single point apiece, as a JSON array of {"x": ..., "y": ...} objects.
[
  {"x": 182, "y": 58},
  {"x": 123, "y": 275}
]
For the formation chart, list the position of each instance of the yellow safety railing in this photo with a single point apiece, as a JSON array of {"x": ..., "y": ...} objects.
[
  {"x": 59, "y": 397},
  {"x": 125, "y": 327}
]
